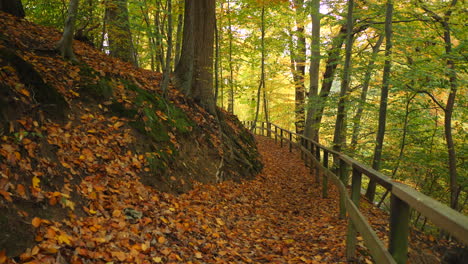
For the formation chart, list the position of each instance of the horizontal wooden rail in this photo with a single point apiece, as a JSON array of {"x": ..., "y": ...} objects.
[{"x": 403, "y": 197}]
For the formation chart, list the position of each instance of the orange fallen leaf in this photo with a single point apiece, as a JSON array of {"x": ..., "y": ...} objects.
[
  {"x": 36, "y": 222},
  {"x": 6, "y": 195},
  {"x": 3, "y": 257},
  {"x": 161, "y": 239},
  {"x": 21, "y": 190}
]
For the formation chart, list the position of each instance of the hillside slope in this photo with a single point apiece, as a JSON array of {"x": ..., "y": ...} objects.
[{"x": 76, "y": 136}]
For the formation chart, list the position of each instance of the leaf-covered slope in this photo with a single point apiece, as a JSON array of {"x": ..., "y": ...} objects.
[{"x": 69, "y": 130}]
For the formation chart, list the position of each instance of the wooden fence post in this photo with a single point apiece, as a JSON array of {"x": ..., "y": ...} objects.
[
  {"x": 276, "y": 134},
  {"x": 352, "y": 233},
  {"x": 290, "y": 142},
  {"x": 263, "y": 128},
  {"x": 399, "y": 229},
  {"x": 317, "y": 170},
  {"x": 325, "y": 176},
  {"x": 311, "y": 150},
  {"x": 281, "y": 137},
  {"x": 269, "y": 130},
  {"x": 342, "y": 170}
]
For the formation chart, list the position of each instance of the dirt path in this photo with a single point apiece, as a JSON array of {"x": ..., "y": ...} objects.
[{"x": 277, "y": 218}]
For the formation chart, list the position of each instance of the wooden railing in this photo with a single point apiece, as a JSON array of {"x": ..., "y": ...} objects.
[{"x": 403, "y": 198}]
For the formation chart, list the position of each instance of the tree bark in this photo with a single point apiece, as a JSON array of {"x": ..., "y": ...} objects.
[
  {"x": 65, "y": 45},
  {"x": 178, "y": 35},
  {"x": 451, "y": 74},
  {"x": 314, "y": 67},
  {"x": 231, "y": 70},
  {"x": 194, "y": 72},
  {"x": 376, "y": 162},
  {"x": 168, "y": 68},
  {"x": 118, "y": 31},
  {"x": 14, "y": 7},
  {"x": 318, "y": 106},
  {"x": 262, "y": 74},
  {"x": 298, "y": 69},
  {"x": 339, "y": 137}
]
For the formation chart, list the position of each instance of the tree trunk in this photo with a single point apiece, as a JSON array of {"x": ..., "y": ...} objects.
[
  {"x": 118, "y": 31},
  {"x": 452, "y": 76},
  {"x": 150, "y": 33},
  {"x": 65, "y": 45},
  {"x": 318, "y": 106},
  {"x": 14, "y": 7},
  {"x": 194, "y": 72},
  {"x": 370, "y": 193},
  {"x": 339, "y": 137},
  {"x": 262, "y": 72},
  {"x": 231, "y": 70},
  {"x": 298, "y": 71},
  {"x": 216, "y": 63},
  {"x": 168, "y": 68},
  {"x": 314, "y": 66},
  {"x": 178, "y": 35},
  {"x": 365, "y": 88}
]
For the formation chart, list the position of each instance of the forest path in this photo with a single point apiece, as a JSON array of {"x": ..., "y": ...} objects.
[{"x": 279, "y": 217}]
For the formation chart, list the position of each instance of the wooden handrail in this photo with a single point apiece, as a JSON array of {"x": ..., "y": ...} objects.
[{"x": 403, "y": 198}]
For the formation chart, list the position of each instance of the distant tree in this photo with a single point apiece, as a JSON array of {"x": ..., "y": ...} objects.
[
  {"x": 314, "y": 69},
  {"x": 376, "y": 161},
  {"x": 14, "y": 7},
  {"x": 339, "y": 137},
  {"x": 194, "y": 72},
  {"x": 65, "y": 45},
  {"x": 118, "y": 31},
  {"x": 298, "y": 60}
]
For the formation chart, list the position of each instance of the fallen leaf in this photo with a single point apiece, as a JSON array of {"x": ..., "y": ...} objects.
[
  {"x": 36, "y": 222},
  {"x": 6, "y": 195}
]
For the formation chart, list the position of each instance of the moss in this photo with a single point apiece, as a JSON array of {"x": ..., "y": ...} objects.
[
  {"x": 153, "y": 116},
  {"x": 173, "y": 117},
  {"x": 93, "y": 85}
]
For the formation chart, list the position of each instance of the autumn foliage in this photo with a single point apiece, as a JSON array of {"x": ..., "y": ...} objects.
[{"x": 82, "y": 178}]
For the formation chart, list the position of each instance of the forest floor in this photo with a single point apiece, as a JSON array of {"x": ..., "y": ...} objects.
[{"x": 279, "y": 217}]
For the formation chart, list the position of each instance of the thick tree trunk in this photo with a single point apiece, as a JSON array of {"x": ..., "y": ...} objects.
[
  {"x": 339, "y": 137},
  {"x": 184, "y": 68},
  {"x": 194, "y": 72},
  {"x": 65, "y": 45},
  {"x": 118, "y": 31},
  {"x": 314, "y": 66},
  {"x": 14, "y": 7},
  {"x": 370, "y": 193}
]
